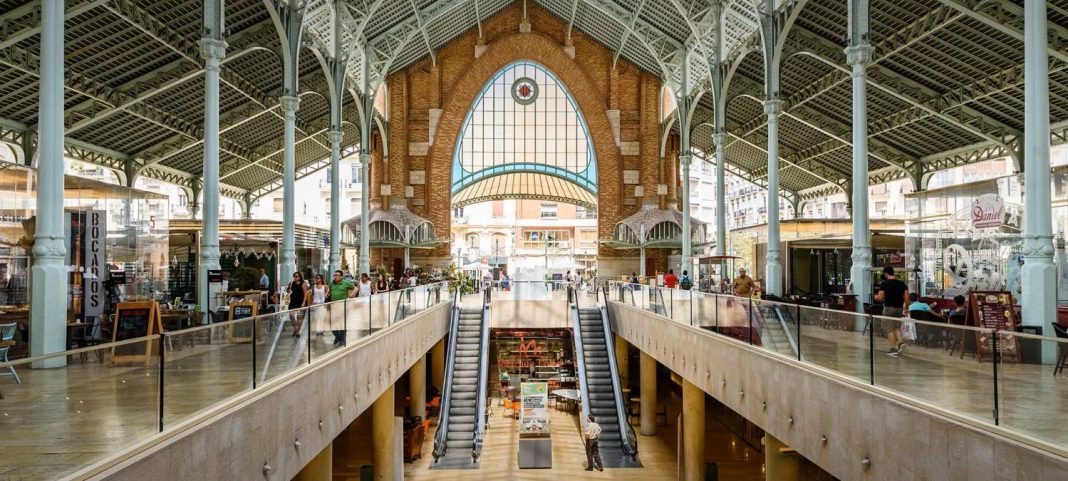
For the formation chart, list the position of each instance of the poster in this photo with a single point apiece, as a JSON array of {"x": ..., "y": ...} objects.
[
  {"x": 94, "y": 240},
  {"x": 535, "y": 405}
]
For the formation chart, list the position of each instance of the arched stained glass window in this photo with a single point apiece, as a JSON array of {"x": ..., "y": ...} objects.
[{"x": 524, "y": 124}]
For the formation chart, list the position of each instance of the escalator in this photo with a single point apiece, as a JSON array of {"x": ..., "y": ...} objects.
[
  {"x": 776, "y": 332},
  {"x": 462, "y": 424},
  {"x": 599, "y": 386}
]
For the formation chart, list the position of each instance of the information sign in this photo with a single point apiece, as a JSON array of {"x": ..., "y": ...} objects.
[
  {"x": 241, "y": 331},
  {"x": 135, "y": 320},
  {"x": 535, "y": 405},
  {"x": 994, "y": 310}
]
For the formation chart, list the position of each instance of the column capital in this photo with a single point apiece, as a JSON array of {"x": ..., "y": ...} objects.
[
  {"x": 719, "y": 138},
  {"x": 1038, "y": 246},
  {"x": 686, "y": 159},
  {"x": 336, "y": 136},
  {"x": 772, "y": 106},
  {"x": 49, "y": 247},
  {"x": 859, "y": 54},
  {"x": 365, "y": 158},
  {"x": 290, "y": 104},
  {"x": 213, "y": 50},
  {"x": 861, "y": 255}
]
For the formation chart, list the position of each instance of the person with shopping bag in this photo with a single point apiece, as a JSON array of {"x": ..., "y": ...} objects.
[{"x": 893, "y": 294}]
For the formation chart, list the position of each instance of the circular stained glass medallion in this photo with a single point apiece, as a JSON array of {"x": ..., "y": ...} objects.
[{"x": 524, "y": 90}]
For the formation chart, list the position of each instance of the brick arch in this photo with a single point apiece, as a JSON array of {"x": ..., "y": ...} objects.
[{"x": 590, "y": 101}]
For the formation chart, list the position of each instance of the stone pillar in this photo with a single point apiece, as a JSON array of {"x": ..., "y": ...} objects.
[
  {"x": 693, "y": 432},
  {"x": 1039, "y": 273},
  {"x": 288, "y": 264},
  {"x": 721, "y": 194},
  {"x": 48, "y": 318},
  {"x": 320, "y": 468},
  {"x": 773, "y": 273},
  {"x": 213, "y": 49},
  {"x": 623, "y": 362},
  {"x": 335, "y": 201},
  {"x": 779, "y": 466},
  {"x": 648, "y": 397},
  {"x": 417, "y": 387},
  {"x": 858, "y": 55},
  {"x": 382, "y": 436},
  {"x": 437, "y": 363}
]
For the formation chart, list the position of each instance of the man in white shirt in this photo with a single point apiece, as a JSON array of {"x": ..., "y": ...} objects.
[{"x": 592, "y": 434}]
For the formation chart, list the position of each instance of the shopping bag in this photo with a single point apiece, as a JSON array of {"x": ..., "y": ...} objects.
[{"x": 908, "y": 330}]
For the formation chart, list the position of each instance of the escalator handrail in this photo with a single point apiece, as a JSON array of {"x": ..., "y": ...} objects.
[
  {"x": 781, "y": 314},
  {"x": 580, "y": 359},
  {"x": 483, "y": 372},
  {"x": 626, "y": 430},
  {"x": 441, "y": 437}
]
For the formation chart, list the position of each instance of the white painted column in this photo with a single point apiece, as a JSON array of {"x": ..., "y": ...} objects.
[
  {"x": 721, "y": 193},
  {"x": 1039, "y": 273},
  {"x": 773, "y": 272},
  {"x": 288, "y": 266},
  {"x": 48, "y": 318},
  {"x": 213, "y": 49},
  {"x": 365, "y": 207},
  {"x": 858, "y": 58},
  {"x": 335, "y": 201}
]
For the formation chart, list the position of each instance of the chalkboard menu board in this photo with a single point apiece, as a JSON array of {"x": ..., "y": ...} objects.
[
  {"x": 994, "y": 310},
  {"x": 134, "y": 320},
  {"x": 242, "y": 331}
]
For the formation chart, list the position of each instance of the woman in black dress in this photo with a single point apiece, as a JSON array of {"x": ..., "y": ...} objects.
[{"x": 298, "y": 298}]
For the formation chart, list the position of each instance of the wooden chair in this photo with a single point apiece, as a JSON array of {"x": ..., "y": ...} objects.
[
  {"x": 513, "y": 406},
  {"x": 1062, "y": 349}
]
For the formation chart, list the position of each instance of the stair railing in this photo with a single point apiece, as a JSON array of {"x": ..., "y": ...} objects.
[
  {"x": 483, "y": 373},
  {"x": 628, "y": 439},
  {"x": 580, "y": 359},
  {"x": 441, "y": 437}
]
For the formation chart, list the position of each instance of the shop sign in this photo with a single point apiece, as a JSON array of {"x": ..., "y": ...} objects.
[
  {"x": 988, "y": 210},
  {"x": 535, "y": 402},
  {"x": 215, "y": 275},
  {"x": 95, "y": 232}
]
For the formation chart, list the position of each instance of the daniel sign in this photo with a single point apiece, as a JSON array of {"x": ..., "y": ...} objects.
[{"x": 988, "y": 210}]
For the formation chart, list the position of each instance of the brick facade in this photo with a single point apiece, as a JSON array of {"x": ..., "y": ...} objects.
[{"x": 453, "y": 83}]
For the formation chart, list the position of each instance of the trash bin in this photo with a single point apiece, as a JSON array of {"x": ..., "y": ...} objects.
[
  {"x": 1030, "y": 349},
  {"x": 367, "y": 473}
]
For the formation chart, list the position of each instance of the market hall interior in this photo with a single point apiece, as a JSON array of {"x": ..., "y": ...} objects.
[{"x": 533, "y": 239}]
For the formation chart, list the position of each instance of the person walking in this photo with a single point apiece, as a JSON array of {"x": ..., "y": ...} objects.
[
  {"x": 381, "y": 285},
  {"x": 340, "y": 289},
  {"x": 365, "y": 286},
  {"x": 893, "y": 293},
  {"x": 319, "y": 295},
  {"x": 297, "y": 300},
  {"x": 671, "y": 279},
  {"x": 592, "y": 435},
  {"x": 743, "y": 284},
  {"x": 686, "y": 283}
]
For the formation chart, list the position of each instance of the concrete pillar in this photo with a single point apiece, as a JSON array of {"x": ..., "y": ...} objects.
[
  {"x": 320, "y": 468},
  {"x": 1039, "y": 273},
  {"x": 623, "y": 362},
  {"x": 648, "y": 397},
  {"x": 858, "y": 54},
  {"x": 693, "y": 432},
  {"x": 213, "y": 49},
  {"x": 48, "y": 318},
  {"x": 437, "y": 363},
  {"x": 779, "y": 465},
  {"x": 773, "y": 273},
  {"x": 382, "y": 426},
  {"x": 417, "y": 387},
  {"x": 288, "y": 261}
]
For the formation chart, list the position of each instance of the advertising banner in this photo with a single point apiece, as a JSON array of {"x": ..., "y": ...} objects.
[
  {"x": 94, "y": 240},
  {"x": 535, "y": 402}
]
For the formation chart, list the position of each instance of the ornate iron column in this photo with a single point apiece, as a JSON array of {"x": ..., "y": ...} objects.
[
  {"x": 213, "y": 49},
  {"x": 858, "y": 54}
]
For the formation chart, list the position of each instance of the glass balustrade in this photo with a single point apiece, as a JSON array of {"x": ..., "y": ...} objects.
[{"x": 71, "y": 409}]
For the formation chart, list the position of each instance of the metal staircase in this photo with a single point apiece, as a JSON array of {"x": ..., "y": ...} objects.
[
  {"x": 600, "y": 388},
  {"x": 458, "y": 441}
]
